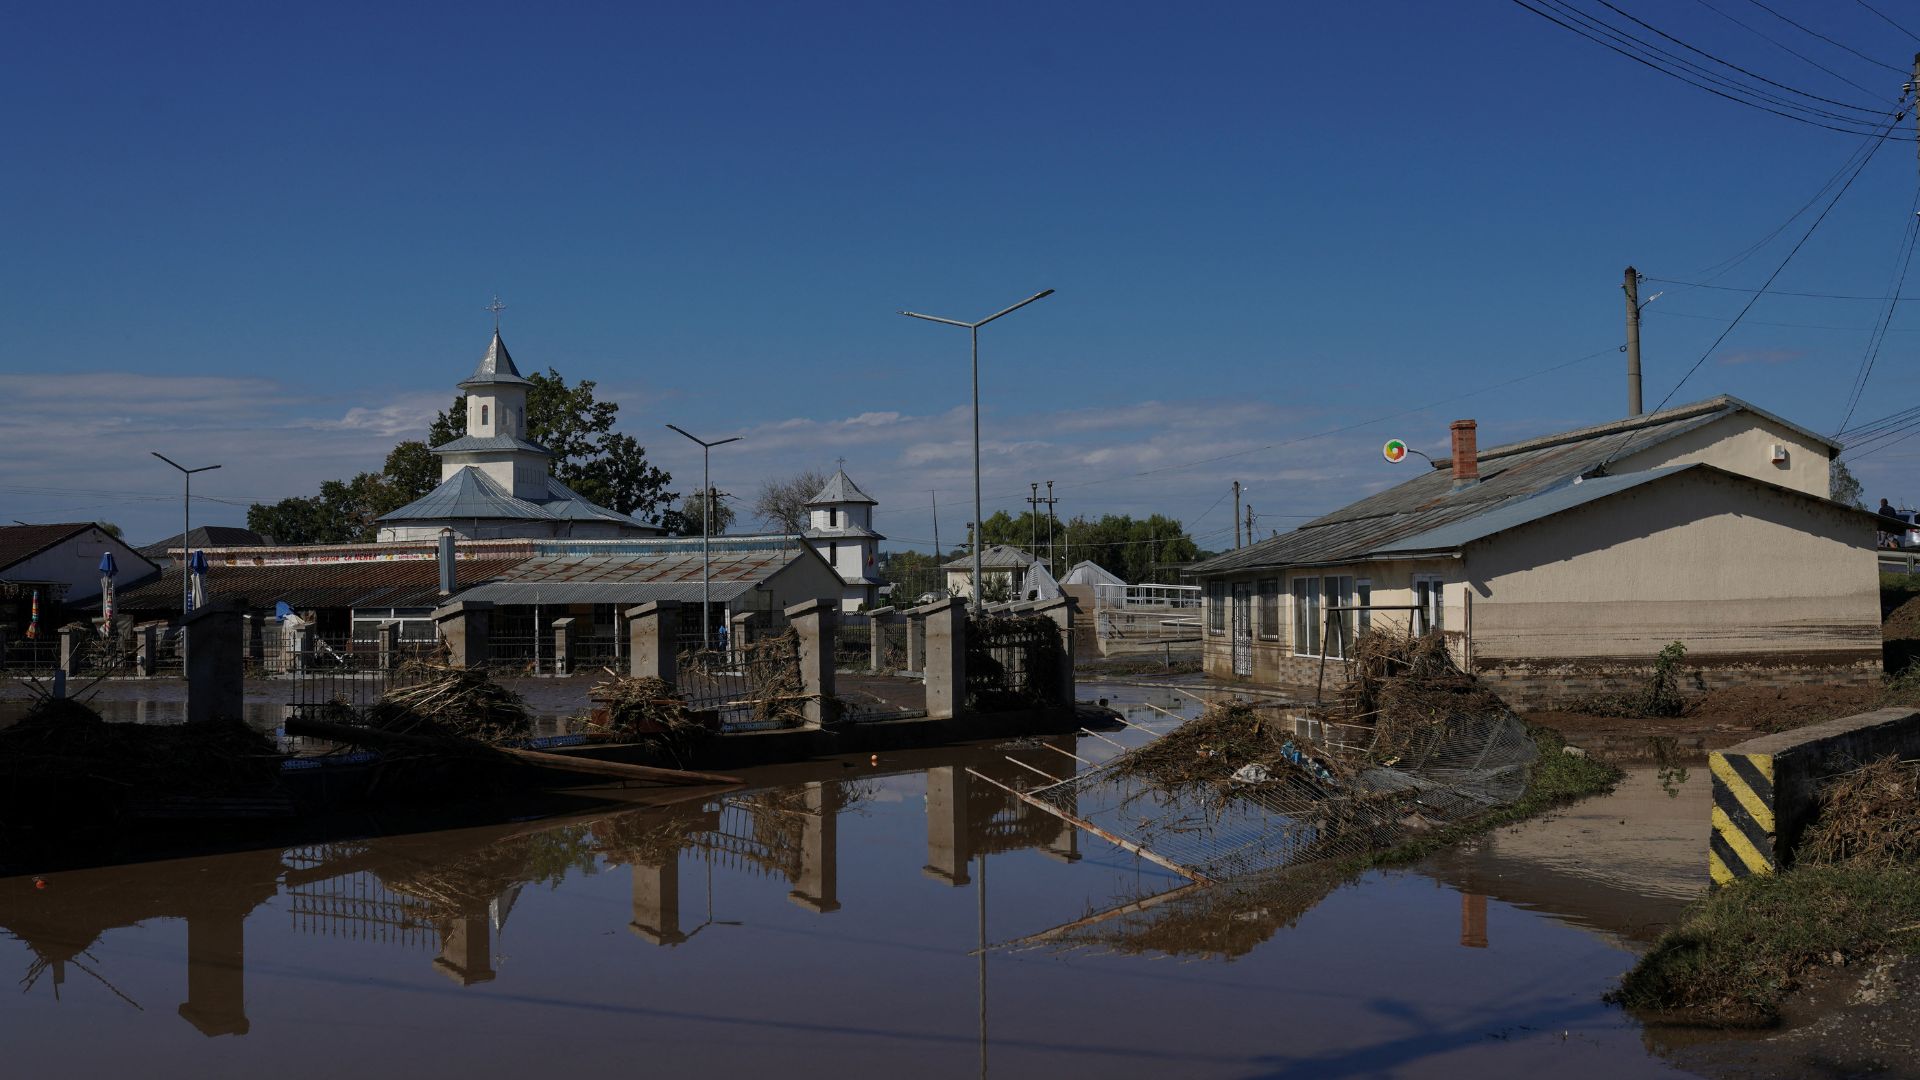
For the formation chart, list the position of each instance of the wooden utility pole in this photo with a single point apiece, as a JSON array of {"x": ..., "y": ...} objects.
[
  {"x": 1033, "y": 519},
  {"x": 1249, "y": 523},
  {"x": 1632, "y": 287},
  {"x": 1050, "y": 500},
  {"x": 1236, "y": 515}
]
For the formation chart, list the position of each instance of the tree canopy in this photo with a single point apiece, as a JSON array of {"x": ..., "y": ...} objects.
[
  {"x": 603, "y": 465},
  {"x": 782, "y": 503},
  {"x": 1137, "y": 549},
  {"x": 691, "y": 519}
]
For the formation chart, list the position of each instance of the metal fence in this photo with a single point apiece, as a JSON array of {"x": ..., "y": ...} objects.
[
  {"x": 745, "y": 687},
  {"x": 1013, "y": 662}
]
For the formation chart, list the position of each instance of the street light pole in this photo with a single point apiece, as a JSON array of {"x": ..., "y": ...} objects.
[
  {"x": 974, "y": 329},
  {"x": 186, "y": 528},
  {"x": 706, "y": 530}
]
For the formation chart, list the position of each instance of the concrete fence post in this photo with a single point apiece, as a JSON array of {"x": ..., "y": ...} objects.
[
  {"x": 916, "y": 641},
  {"x": 146, "y": 638},
  {"x": 1061, "y": 612},
  {"x": 467, "y": 628},
  {"x": 69, "y": 646},
  {"x": 563, "y": 642},
  {"x": 388, "y": 634},
  {"x": 946, "y": 661},
  {"x": 216, "y": 673},
  {"x": 740, "y": 630},
  {"x": 877, "y": 621},
  {"x": 302, "y": 648},
  {"x": 815, "y": 622},
  {"x": 653, "y": 641}
]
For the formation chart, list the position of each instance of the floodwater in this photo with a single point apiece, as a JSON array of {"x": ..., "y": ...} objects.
[{"x": 829, "y": 921}]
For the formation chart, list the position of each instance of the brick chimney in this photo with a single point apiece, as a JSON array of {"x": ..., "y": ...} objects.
[{"x": 1466, "y": 454}]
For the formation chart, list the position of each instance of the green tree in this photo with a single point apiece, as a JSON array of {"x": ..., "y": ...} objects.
[
  {"x": 913, "y": 574},
  {"x": 690, "y": 519},
  {"x": 412, "y": 470},
  {"x": 1134, "y": 549},
  {"x": 1846, "y": 489}
]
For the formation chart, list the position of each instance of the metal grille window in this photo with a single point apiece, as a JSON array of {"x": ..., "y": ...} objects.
[
  {"x": 1216, "y": 607},
  {"x": 1270, "y": 609},
  {"x": 1306, "y": 616}
]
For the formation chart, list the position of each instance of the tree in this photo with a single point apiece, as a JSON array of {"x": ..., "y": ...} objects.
[
  {"x": 1846, "y": 489},
  {"x": 1133, "y": 549},
  {"x": 690, "y": 519},
  {"x": 913, "y": 574},
  {"x": 782, "y": 504},
  {"x": 412, "y": 470},
  {"x": 109, "y": 528}
]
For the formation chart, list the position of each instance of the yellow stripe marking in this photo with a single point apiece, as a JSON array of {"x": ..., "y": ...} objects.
[
  {"x": 1717, "y": 870},
  {"x": 1763, "y": 763},
  {"x": 1756, "y": 809},
  {"x": 1737, "y": 840}
]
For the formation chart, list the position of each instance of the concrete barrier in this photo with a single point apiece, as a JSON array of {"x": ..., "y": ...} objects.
[{"x": 1765, "y": 790}]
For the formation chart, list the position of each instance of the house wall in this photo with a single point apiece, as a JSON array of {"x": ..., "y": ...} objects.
[
  {"x": 1763, "y": 587},
  {"x": 960, "y": 582},
  {"x": 1741, "y": 443},
  {"x": 75, "y": 563},
  {"x": 802, "y": 579}
]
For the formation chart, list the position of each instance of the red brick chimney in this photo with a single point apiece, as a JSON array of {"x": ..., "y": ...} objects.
[{"x": 1466, "y": 453}]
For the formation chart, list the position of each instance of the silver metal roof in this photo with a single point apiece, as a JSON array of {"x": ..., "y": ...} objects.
[
  {"x": 995, "y": 557},
  {"x": 602, "y": 592},
  {"x": 635, "y": 573},
  {"x": 496, "y": 367},
  {"x": 468, "y": 493},
  {"x": 841, "y": 532},
  {"x": 490, "y": 442},
  {"x": 1518, "y": 512},
  {"x": 842, "y": 490}
]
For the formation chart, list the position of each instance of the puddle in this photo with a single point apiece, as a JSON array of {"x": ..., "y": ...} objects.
[{"x": 829, "y": 924}]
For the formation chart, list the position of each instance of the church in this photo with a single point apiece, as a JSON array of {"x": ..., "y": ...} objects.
[
  {"x": 840, "y": 528},
  {"x": 495, "y": 483}
]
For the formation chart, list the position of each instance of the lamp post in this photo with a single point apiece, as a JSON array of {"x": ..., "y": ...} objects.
[
  {"x": 706, "y": 528},
  {"x": 974, "y": 329},
  {"x": 186, "y": 528}
]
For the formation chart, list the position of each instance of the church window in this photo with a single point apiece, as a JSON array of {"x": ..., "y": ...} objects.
[
  {"x": 833, "y": 552},
  {"x": 483, "y": 416},
  {"x": 833, "y": 518}
]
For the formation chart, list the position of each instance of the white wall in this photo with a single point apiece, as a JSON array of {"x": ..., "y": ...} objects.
[{"x": 75, "y": 562}]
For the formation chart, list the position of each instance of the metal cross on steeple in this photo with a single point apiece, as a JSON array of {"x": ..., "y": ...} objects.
[
  {"x": 842, "y": 462},
  {"x": 496, "y": 307}
]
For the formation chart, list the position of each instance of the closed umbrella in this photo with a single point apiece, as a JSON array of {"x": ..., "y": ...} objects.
[
  {"x": 33, "y": 621},
  {"x": 197, "y": 566},
  {"x": 107, "y": 571}
]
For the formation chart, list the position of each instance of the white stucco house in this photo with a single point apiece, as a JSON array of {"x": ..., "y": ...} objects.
[{"x": 1559, "y": 566}]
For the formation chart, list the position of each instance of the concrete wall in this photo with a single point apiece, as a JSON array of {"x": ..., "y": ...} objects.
[
  {"x": 1741, "y": 443},
  {"x": 1764, "y": 587}
]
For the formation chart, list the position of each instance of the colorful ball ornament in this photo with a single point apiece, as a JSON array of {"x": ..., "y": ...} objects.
[{"x": 1395, "y": 451}]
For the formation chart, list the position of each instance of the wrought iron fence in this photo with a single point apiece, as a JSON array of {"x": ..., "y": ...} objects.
[
  {"x": 745, "y": 687},
  {"x": 1013, "y": 662}
]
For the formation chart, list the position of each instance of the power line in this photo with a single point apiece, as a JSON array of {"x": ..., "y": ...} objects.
[
  {"x": 1744, "y": 71},
  {"x": 1724, "y": 266},
  {"x": 1893, "y": 302},
  {"x": 1669, "y": 313},
  {"x": 1888, "y": 21},
  {"x": 1836, "y": 44},
  {"x": 1772, "y": 292}
]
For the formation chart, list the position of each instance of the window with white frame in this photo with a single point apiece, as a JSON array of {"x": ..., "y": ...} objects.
[
  {"x": 1338, "y": 591},
  {"x": 1269, "y": 593},
  {"x": 1363, "y": 597},
  {"x": 1429, "y": 596},
  {"x": 1306, "y": 616},
  {"x": 1216, "y": 607}
]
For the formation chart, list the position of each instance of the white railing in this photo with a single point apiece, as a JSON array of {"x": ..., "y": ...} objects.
[{"x": 1141, "y": 596}]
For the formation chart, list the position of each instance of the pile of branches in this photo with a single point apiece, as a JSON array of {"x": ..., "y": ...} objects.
[
  {"x": 1230, "y": 739},
  {"x": 648, "y": 709},
  {"x": 444, "y": 701},
  {"x": 1868, "y": 818},
  {"x": 776, "y": 693},
  {"x": 1380, "y": 659},
  {"x": 63, "y": 762}
]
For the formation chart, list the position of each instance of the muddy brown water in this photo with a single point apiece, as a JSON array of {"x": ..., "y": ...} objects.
[{"x": 829, "y": 922}]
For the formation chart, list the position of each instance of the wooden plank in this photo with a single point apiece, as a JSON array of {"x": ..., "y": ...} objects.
[{"x": 1120, "y": 842}]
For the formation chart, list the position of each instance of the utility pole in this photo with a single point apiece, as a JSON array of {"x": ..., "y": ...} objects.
[
  {"x": 1632, "y": 287},
  {"x": 1249, "y": 523},
  {"x": 939, "y": 556},
  {"x": 1052, "y": 568},
  {"x": 1236, "y": 515},
  {"x": 1033, "y": 519}
]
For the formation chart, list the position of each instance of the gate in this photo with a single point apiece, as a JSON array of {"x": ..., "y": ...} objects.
[{"x": 1243, "y": 629}]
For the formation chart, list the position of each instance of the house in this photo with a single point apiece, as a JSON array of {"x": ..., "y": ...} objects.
[
  {"x": 204, "y": 536},
  {"x": 1559, "y": 566},
  {"x": 1002, "y": 569},
  {"x": 496, "y": 484},
  {"x": 840, "y": 528},
  {"x": 60, "y": 564}
]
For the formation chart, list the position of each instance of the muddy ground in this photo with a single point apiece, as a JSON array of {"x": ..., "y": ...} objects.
[
  {"x": 1862, "y": 1021},
  {"x": 1713, "y": 720}
]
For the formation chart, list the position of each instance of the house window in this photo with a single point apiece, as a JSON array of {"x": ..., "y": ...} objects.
[
  {"x": 1216, "y": 607},
  {"x": 483, "y": 416},
  {"x": 1270, "y": 609},
  {"x": 1430, "y": 597},
  {"x": 1363, "y": 596},
  {"x": 1339, "y": 594},
  {"x": 1306, "y": 616}
]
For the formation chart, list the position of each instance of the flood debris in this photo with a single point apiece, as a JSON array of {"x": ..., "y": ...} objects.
[
  {"x": 1869, "y": 817},
  {"x": 443, "y": 700}
]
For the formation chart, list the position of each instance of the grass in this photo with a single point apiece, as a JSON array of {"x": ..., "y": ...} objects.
[
  {"x": 1746, "y": 948},
  {"x": 1557, "y": 779}
]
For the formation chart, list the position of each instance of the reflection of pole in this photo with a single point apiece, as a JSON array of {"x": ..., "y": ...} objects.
[
  {"x": 1473, "y": 920},
  {"x": 981, "y": 891}
]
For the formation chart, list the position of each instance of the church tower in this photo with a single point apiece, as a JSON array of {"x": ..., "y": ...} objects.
[
  {"x": 496, "y": 439},
  {"x": 840, "y": 528}
]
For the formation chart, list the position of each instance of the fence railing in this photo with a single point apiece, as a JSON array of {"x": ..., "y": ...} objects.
[
  {"x": 1013, "y": 662},
  {"x": 745, "y": 688}
]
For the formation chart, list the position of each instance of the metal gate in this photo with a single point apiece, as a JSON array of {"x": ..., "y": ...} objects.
[{"x": 1243, "y": 628}]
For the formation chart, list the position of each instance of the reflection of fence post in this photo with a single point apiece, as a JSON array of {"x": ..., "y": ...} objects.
[
  {"x": 1060, "y": 610},
  {"x": 388, "y": 634},
  {"x": 563, "y": 646},
  {"x": 656, "y": 900},
  {"x": 653, "y": 646},
  {"x": 877, "y": 621},
  {"x": 818, "y": 888},
  {"x": 466, "y": 953},
  {"x": 947, "y": 854},
  {"x": 466, "y": 626},
  {"x": 946, "y": 629},
  {"x": 69, "y": 644},
  {"x": 916, "y": 641},
  {"x": 216, "y": 969},
  {"x": 814, "y": 622},
  {"x": 216, "y": 677},
  {"x": 147, "y": 656}
]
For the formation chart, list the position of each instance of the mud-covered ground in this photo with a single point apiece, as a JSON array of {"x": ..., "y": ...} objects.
[{"x": 1860, "y": 1021}]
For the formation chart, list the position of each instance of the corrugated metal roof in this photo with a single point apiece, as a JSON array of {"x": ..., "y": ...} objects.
[
  {"x": 206, "y": 536},
  {"x": 840, "y": 489},
  {"x": 569, "y": 505},
  {"x": 496, "y": 366},
  {"x": 603, "y": 592},
  {"x": 490, "y": 442},
  {"x": 397, "y": 583},
  {"x": 671, "y": 573},
  {"x": 468, "y": 493},
  {"x": 1517, "y": 512},
  {"x": 996, "y": 557},
  {"x": 1429, "y": 501}
]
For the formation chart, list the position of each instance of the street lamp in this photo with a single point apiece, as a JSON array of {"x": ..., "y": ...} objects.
[
  {"x": 186, "y": 528},
  {"x": 974, "y": 328},
  {"x": 706, "y": 528}
]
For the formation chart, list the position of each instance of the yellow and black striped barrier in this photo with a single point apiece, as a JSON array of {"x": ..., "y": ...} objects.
[{"x": 1745, "y": 825}]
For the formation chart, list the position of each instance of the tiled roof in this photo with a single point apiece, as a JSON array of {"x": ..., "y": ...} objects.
[
  {"x": 1509, "y": 473},
  {"x": 495, "y": 367},
  {"x": 206, "y": 536},
  {"x": 468, "y": 493},
  {"x": 19, "y": 542},
  {"x": 994, "y": 557},
  {"x": 397, "y": 583},
  {"x": 841, "y": 489}
]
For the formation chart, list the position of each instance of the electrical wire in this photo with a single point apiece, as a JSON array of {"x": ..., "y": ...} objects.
[
  {"x": 1888, "y": 21},
  {"x": 1743, "y": 70},
  {"x": 1836, "y": 44},
  {"x": 1669, "y": 313},
  {"x": 1773, "y": 292},
  {"x": 1893, "y": 302},
  {"x": 1725, "y": 266}
]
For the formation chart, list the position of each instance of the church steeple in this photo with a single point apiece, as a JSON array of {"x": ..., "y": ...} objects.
[{"x": 496, "y": 395}]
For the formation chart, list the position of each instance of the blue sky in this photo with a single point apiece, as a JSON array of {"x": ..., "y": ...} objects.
[{"x": 265, "y": 235}]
